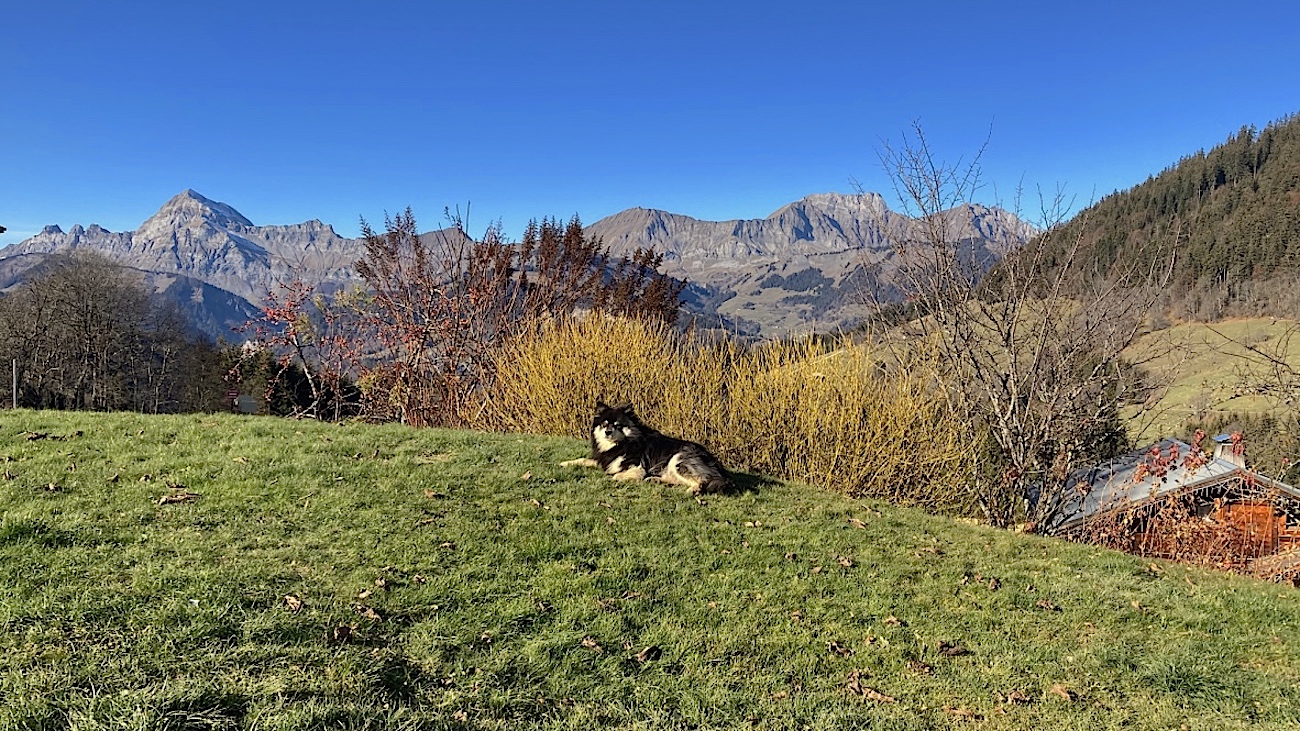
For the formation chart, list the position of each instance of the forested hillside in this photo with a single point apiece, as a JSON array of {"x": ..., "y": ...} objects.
[{"x": 1231, "y": 215}]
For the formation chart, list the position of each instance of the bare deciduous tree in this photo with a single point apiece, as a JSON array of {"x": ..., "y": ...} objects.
[
  {"x": 86, "y": 335},
  {"x": 1030, "y": 345},
  {"x": 440, "y": 305}
]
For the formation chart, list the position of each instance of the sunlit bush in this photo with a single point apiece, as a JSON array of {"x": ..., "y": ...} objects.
[{"x": 827, "y": 414}]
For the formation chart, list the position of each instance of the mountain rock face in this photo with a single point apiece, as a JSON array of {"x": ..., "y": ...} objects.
[
  {"x": 206, "y": 256},
  {"x": 213, "y": 243},
  {"x": 804, "y": 268}
]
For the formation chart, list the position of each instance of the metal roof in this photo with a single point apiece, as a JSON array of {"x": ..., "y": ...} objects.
[{"x": 1140, "y": 477}]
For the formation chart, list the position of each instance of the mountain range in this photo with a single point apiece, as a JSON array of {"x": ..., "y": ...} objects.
[
  {"x": 798, "y": 270},
  {"x": 803, "y": 268}
]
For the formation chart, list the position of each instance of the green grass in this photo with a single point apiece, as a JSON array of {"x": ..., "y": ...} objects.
[
  {"x": 1201, "y": 367},
  {"x": 120, "y": 612}
]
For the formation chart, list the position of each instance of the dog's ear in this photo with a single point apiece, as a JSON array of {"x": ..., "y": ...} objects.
[
  {"x": 627, "y": 409},
  {"x": 601, "y": 405}
]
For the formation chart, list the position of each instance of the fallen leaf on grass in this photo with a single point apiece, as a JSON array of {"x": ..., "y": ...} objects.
[
  {"x": 1137, "y": 605},
  {"x": 839, "y": 649},
  {"x": 11, "y": 476},
  {"x": 791, "y": 556},
  {"x": 53, "y": 487},
  {"x": 919, "y": 667},
  {"x": 857, "y": 523},
  {"x": 994, "y": 584},
  {"x": 241, "y": 460},
  {"x": 526, "y": 476},
  {"x": 796, "y": 615},
  {"x": 293, "y": 603},
  {"x": 447, "y": 546},
  {"x": 33, "y": 436},
  {"x": 952, "y": 649},
  {"x": 854, "y": 685},
  {"x": 381, "y": 583},
  {"x": 893, "y": 621},
  {"x": 780, "y": 695},
  {"x": 178, "y": 497},
  {"x": 844, "y": 561},
  {"x": 591, "y": 644},
  {"x": 363, "y": 594},
  {"x": 485, "y": 638},
  {"x": 817, "y": 569},
  {"x": 343, "y": 633},
  {"x": 460, "y": 716},
  {"x": 434, "y": 494},
  {"x": 368, "y": 612},
  {"x": 1016, "y": 696},
  {"x": 610, "y": 520},
  {"x": 1065, "y": 692},
  {"x": 963, "y": 713},
  {"x": 1045, "y": 604}
]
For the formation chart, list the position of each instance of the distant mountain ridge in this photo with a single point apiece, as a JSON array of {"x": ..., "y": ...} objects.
[
  {"x": 803, "y": 268},
  {"x": 210, "y": 241},
  {"x": 217, "y": 265}
]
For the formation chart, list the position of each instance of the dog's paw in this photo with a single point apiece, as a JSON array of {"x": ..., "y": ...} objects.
[
  {"x": 584, "y": 462},
  {"x": 631, "y": 474}
]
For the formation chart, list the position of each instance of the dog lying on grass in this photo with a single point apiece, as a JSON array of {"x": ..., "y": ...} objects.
[{"x": 626, "y": 449}]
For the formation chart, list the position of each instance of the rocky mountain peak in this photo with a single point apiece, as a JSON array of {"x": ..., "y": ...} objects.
[
  {"x": 841, "y": 204},
  {"x": 210, "y": 244},
  {"x": 189, "y": 209},
  {"x": 802, "y": 268}
]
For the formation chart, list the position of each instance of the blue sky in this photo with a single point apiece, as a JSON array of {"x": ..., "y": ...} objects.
[{"x": 293, "y": 110}]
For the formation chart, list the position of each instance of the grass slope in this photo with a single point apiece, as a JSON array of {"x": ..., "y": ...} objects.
[
  {"x": 1202, "y": 367},
  {"x": 461, "y": 580}
]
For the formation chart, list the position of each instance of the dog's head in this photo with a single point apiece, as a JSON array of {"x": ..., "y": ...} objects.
[{"x": 614, "y": 424}]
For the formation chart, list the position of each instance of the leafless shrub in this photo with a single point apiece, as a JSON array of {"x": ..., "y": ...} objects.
[
  {"x": 1030, "y": 352},
  {"x": 439, "y": 307}
]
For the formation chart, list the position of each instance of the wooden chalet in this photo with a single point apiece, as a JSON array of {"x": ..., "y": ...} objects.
[{"x": 1176, "y": 500}]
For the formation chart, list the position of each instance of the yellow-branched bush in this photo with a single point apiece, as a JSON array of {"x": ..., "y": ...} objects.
[{"x": 828, "y": 415}]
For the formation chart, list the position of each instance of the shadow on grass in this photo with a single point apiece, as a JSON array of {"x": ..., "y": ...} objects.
[
  {"x": 744, "y": 482},
  {"x": 36, "y": 532}
]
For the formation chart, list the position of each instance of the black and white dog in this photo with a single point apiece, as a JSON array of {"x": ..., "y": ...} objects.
[{"x": 627, "y": 449}]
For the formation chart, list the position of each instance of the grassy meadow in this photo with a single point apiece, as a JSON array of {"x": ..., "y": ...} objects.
[
  {"x": 222, "y": 572},
  {"x": 1201, "y": 369}
]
